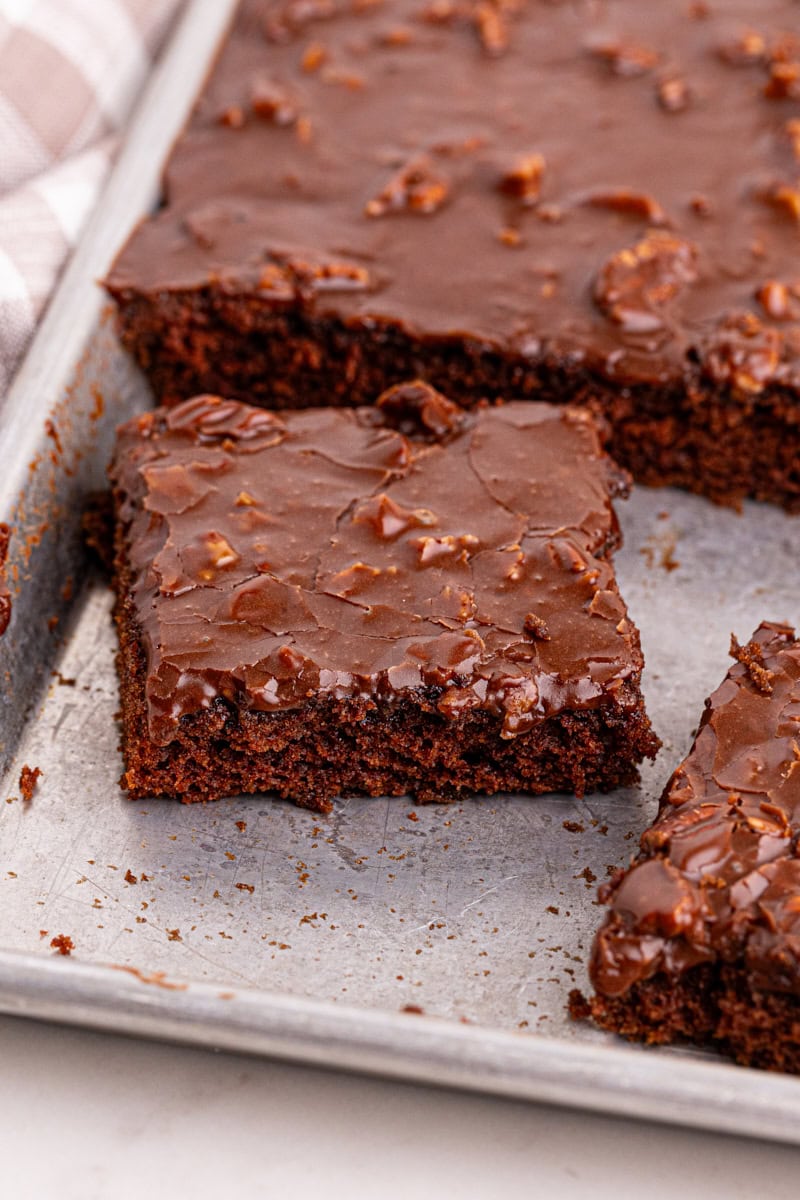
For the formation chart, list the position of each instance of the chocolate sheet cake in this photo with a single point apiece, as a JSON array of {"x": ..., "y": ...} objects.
[
  {"x": 702, "y": 941},
  {"x": 402, "y": 598},
  {"x": 508, "y": 198}
]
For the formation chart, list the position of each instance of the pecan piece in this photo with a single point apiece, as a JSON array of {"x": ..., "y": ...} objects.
[
  {"x": 524, "y": 180},
  {"x": 774, "y": 298},
  {"x": 625, "y": 58},
  {"x": 673, "y": 94},
  {"x": 784, "y": 81},
  {"x": 397, "y": 35},
  {"x": 492, "y": 29},
  {"x": 700, "y": 205},
  {"x": 536, "y": 627},
  {"x": 509, "y": 236},
  {"x": 439, "y": 12},
  {"x": 276, "y": 282},
  {"x": 388, "y": 519},
  {"x": 431, "y": 550},
  {"x": 347, "y": 79},
  {"x": 752, "y": 659},
  {"x": 745, "y": 50},
  {"x": 292, "y": 275},
  {"x": 203, "y": 559},
  {"x": 784, "y": 197},
  {"x": 416, "y": 187},
  {"x": 305, "y": 130},
  {"x": 232, "y": 116},
  {"x": 335, "y": 277},
  {"x": 271, "y": 101},
  {"x": 744, "y": 354},
  {"x": 634, "y": 204},
  {"x": 785, "y": 48},
  {"x": 312, "y": 274},
  {"x": 313, "y": 57},
  {"x": 636, "y": 284},
  {"x": 416, "y": 407}
]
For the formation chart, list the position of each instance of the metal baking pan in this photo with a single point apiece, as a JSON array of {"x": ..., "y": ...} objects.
[{"x": 254, "y": 926}]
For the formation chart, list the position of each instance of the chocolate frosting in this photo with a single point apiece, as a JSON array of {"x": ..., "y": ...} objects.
[
  {"x": 613, "y": 182},
  {"x": 375, "y": 552},
  {"x": 718, "y": 875}
]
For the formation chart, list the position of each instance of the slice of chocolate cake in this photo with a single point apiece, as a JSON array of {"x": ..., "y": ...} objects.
[
  {"x": 400, "y": 598},
  {"x": 593, "y": 202},
  {"x": 702, "y": 942}
]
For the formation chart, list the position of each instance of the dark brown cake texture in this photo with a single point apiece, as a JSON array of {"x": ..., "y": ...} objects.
[
  {"x": 401, "y": 598},
  {"x": 518, "y": 198},
  {"x": 702, "y": 942}
]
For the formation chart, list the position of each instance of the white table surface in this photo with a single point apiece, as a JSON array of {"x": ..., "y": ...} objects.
[{"x": 89, "y": 1117}]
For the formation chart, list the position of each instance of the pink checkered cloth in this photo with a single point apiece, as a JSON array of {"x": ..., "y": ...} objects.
[{"x": 70, "y": 71}]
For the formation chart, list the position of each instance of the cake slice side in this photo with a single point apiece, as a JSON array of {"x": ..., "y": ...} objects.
[
  {"x": 406, "y": 598},
  {"x": 702, "y": 941},
  {"x": 618, "y": 229}
]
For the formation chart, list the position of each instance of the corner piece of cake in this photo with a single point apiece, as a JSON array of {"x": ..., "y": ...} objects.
[
  {"x": 586, "y": 202},
  {"x": 702, "y": 942},
  {"x": 402, "y": 598}
]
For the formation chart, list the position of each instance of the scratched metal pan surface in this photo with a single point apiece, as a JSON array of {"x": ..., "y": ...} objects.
[{"x": 251, "y": 925}]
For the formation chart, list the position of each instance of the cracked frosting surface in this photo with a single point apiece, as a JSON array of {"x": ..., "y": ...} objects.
[
  {"x": 373, "y": 552},
  {"x": 718, "y": 876},
  {"x": 616, "y": 182}
]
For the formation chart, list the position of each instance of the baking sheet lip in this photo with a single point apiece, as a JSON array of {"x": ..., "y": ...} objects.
[
  {"x": 595, "y": 1075},
  {"x": 617, "y": 1080}
]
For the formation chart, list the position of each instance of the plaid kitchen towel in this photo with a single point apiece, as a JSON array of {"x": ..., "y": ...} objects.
[{"x": 70, "y": 71}]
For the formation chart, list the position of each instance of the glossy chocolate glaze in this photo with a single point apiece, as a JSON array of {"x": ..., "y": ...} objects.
[
  {"x": 609, "y": 184},
  {"x": 375, "y": 552},
  {"x": 718, "y": 876}
]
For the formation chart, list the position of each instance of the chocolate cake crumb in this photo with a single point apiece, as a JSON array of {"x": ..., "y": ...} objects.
[
  {"x": 28, "y": 777},
  {"x": 578, "y": 1006}
]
